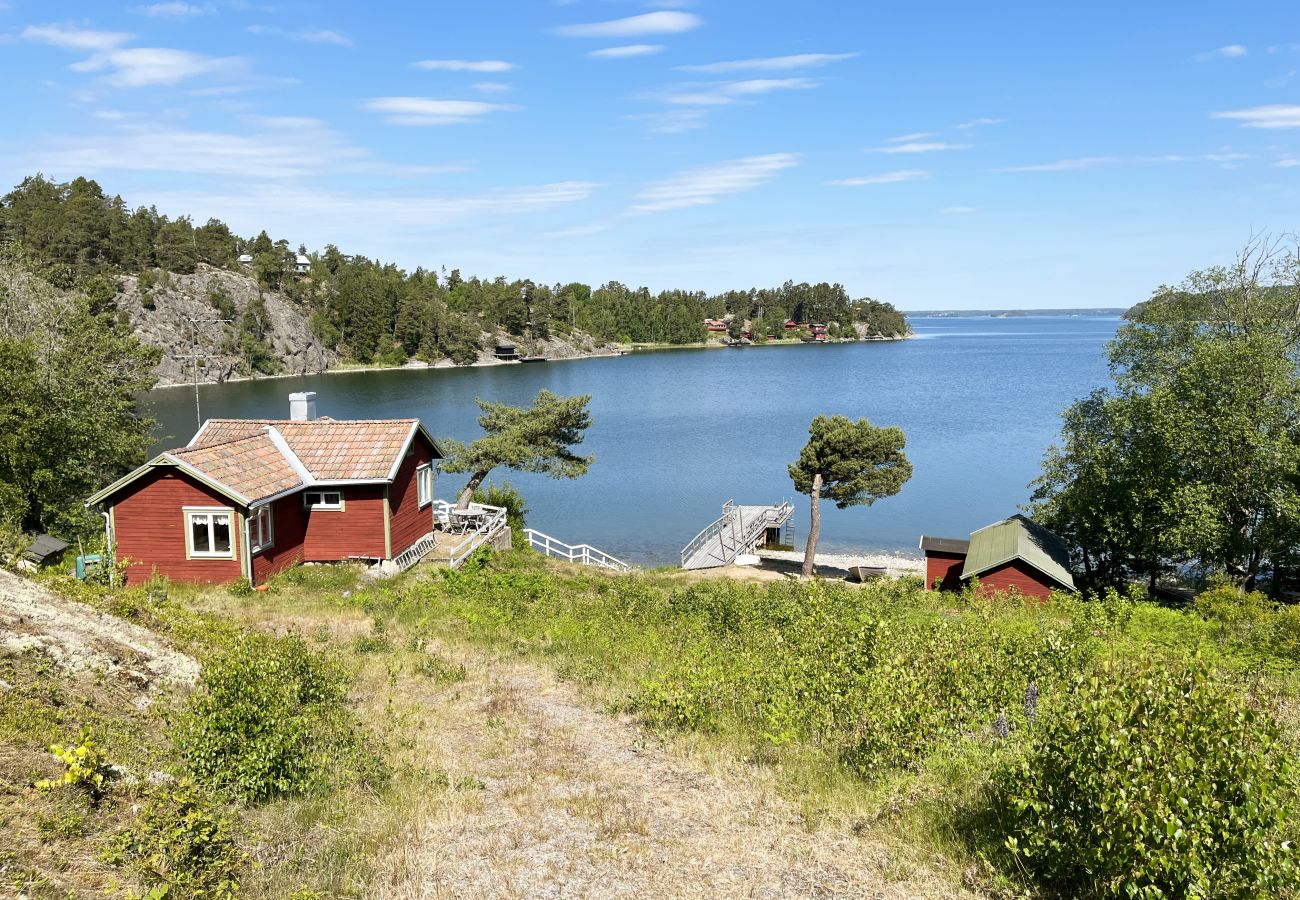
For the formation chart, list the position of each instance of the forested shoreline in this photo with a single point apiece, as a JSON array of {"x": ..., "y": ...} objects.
[{"x": 369, "y": 312}]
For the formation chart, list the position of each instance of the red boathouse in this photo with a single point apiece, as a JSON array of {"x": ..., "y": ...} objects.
[
  {"x": 247, "y": 498},
  {"x": 1014, "y": 553}
]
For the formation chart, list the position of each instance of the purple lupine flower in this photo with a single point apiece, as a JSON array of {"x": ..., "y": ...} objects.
[
  {"x": 1031, "y": 702},
  {"x": 1000, "y": 726}
]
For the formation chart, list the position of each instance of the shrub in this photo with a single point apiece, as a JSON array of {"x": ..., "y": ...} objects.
[
  {"x": 1284, "y": 636},
  {"x": 1236, "y": 610},
  {"x": 86, "y": 765},
  {"x": 504, "y": 494},
  {"x": 270, "y": 720},
  {"x": 1151, "y": 783},
  {"x": 180, "y": 845}
]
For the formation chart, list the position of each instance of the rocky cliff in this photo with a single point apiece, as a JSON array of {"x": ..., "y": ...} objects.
[{"x": 198, "y": 315}]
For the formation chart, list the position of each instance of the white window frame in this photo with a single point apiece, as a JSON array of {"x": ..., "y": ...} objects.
[
  {"x": 321, "y": 504},
  {"x": 261, "y": 529},
  {"x": 424, "y": 484},
  {"x": 188, "y": 512}
]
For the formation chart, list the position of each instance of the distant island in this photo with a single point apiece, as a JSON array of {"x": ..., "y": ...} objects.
[
  {"x": 221, "y": 306},
  {"x": 1017, "y": 313}
]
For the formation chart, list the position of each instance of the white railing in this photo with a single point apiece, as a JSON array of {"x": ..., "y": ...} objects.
[
  {"x": 583, "y": 554},
  {"x": 486, "y": 520},
  {"x": 712, "y": 530}
]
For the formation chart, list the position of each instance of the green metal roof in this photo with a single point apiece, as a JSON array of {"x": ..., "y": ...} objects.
[{"x": 1018, "y": 538}]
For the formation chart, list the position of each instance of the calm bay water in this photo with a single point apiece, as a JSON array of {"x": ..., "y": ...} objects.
[{"x": 676, "y": 433}]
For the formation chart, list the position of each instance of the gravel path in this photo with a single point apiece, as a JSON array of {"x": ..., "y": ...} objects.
[{"x": 579, "y": 803}]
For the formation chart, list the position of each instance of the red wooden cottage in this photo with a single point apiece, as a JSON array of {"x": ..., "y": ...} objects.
[
  {"x": 1014, "y": 553},
  {"x": 246, "y": 498}
]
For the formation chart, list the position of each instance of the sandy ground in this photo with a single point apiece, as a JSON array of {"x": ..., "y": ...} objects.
[
  {"x": 579, "y": 803},
  {"x": 79, "y": 639},
  {"x": 896, "y": 564}
]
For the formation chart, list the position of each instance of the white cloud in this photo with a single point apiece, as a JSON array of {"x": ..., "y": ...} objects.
[
  {"x": 492, "y": 87},
  {"x": 770, "y": 63},
  {"x": 663, "y": 22},
  {"x": 1287, "y": 162},
  {"x": 979, "y": 123},
  {"x": 483, "y": 66},
  {"x": 305, "y": 35},
  {"x": 72, "y": 38},
  {"x": 1271, "y": 116},
  {"x": 432, "y": 111},
  {"x": 279, "y": 147},
  {"x": 627, "y": 51},
  {"x": 673, "y": 121},
  {"x": 906, "y": 138},
  {"x": 175, "y": 10},
  {"x": 958, "y": 210},
  {"x": 894, "y": 177},
  {"x": 1065, "y": 165},
  {"x": 1231, "y": 51},
  {"x": 147, "y": 66},
  {"x": 724, "y": 93},
  {"x": 918, "y": 147},
  {"x": 706, "y": 184}
]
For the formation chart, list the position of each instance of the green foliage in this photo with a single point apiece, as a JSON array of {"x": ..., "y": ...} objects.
[
  {"x": 1153, "y": 782},
  {"x": 270, "y": 720},
  {"x": 69, "y": 420},
  {"x": 859, "y": 463},
  {"x": 1193, "y": 455},
  {"x": 1234, "y": 609},
  {"x": 505, "y": 495},
  {"x": 86, "y": 765},
  {"x": 537, "y": 439},
  {"x": 180, "y": 845}
]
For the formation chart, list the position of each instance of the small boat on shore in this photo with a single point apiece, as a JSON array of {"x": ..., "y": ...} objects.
[
  {"x": 866, "y": 573},
  {"x": 532, "y": 359}
]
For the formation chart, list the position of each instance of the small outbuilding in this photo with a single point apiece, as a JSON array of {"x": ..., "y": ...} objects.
[{"x": 1014, "y": 553}]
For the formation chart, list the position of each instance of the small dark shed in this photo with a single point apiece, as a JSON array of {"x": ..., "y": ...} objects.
[{"x": 45, "y": 548}]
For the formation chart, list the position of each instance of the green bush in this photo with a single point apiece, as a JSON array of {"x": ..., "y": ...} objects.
[
  {"x": 1236, "y": 610},
  {"x": 270, "y": 720},
  {"x": 1284, "y": 636},
  {"x": 504, "y": 494},
  {"x": 180, "y": 845},
  {"x": 1152, "y": 783}
]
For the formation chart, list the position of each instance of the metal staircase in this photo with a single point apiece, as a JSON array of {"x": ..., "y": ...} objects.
[{"x": 738, "y": 530}]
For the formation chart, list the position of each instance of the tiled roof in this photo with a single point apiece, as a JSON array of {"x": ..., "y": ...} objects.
[
  {"x": 252, "y": 466},
  {"x": 330, "y": 450}
]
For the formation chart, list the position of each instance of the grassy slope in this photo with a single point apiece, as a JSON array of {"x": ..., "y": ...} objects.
[{"x": 766, "y": 683}]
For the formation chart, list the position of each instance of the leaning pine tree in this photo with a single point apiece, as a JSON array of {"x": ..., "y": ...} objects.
[
  {"x": 852, "y": 463},
  {"x": 537, "y": 439}
]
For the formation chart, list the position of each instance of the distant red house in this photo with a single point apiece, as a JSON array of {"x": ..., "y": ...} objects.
[
  {"x": 1014, "y": 553},
  {"x": 247, "y": 498},
  {"x": 715, "y": 325}
]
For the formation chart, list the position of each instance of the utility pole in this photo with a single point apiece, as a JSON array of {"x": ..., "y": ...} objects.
[{"x": 194, "y": 356}]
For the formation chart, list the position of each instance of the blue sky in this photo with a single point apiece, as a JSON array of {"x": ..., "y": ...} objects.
[{"x": 948, "y": 155}]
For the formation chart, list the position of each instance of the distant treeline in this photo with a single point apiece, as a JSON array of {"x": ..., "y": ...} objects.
[{"x": 75, "y": 235}]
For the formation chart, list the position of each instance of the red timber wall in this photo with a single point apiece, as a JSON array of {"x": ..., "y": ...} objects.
[
  {"x": 1015, "y": 574},
  {"x": 944, "y": 568},
  {"x": 289, "y": 526},
  {"x": 356, "y": 530},
  {"x": 149, "y": 525},
  {"x": 408, "y": 522}
]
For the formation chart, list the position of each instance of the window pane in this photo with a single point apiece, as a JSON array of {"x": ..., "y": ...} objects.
[
  {"x": 199, "y": 536},
  {"x": 221, "y": 533},
  {"x": 333, "y": 499}
]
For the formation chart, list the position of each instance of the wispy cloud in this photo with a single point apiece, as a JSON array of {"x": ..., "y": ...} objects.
[
  {"x": 72, "y": 38},
  {"x": 979, "y": 123},
  {"x": 491, "y": 87},
  {"x": 1080, "y": 163},
  {"x": 482, "y": 66},
  {"x": 627, "y": 51},
  {"x": 265, "y": 148},
  {"x": 1271, "y": 116},
  {"x": 1065, "y": 165},
  {"x": 1229, "y": 51},
  {"x": 914, "y": 136},
  {"x": 918, "y": 147},
  {"x": 662, "y": 22},
  {"x": 724, "y": 93},
  {"x": 132, "y": 67},
  {"x": 433, "y": 111},
  {"x": 895, "y": 177},
  {"x": 707, "y": 184},
  {"x": 1287, "y": 162},
  {"x": 958, "y": 210},
  {"x": 305, "y": 35},
  {"x": 672, "y": 121},
  {"x": 174, "y": 10},
  {"x": 770, "y": 63}
]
